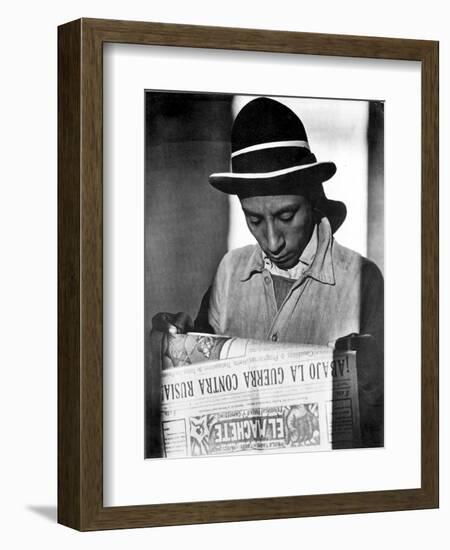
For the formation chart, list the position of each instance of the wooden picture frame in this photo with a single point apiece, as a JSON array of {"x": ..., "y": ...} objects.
[{"x": 80, "y": 272}]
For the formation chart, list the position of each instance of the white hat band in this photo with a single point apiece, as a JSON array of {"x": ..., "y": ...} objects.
[{"x": 271, "y": 145}]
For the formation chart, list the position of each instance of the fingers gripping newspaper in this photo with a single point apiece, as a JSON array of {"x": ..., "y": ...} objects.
[{"x": 222, "y": 395}]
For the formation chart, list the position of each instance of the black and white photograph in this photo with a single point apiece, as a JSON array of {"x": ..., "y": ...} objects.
[{"x": 264, "y": 274}]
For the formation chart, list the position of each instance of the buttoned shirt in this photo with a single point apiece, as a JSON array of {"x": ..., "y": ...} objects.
[{"x": 337, "y": 292}]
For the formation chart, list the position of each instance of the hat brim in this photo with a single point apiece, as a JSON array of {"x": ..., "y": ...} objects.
[{"x": 289, "y": 180}]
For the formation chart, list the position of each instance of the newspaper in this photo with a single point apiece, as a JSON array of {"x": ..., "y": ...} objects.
[{"x": 222, "y": 395}]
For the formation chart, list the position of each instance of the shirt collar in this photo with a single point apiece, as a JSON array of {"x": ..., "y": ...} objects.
[{"x": 316, "y": 260}]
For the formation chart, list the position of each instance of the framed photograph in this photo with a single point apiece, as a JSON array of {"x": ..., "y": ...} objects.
[{"x": 248, "y": 274}]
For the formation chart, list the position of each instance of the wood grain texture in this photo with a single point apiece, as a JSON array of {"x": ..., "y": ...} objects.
[
  {"x": 80, "y": 398},
  {"x": 430, "y": 273},
  {"x": 69, "y": 243}
]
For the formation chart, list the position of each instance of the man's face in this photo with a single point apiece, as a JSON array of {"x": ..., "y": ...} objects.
[{"x": 282, "y": 225}]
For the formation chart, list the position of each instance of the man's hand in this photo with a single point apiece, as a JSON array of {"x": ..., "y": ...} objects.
[
  {"x": 369, "y": 364},
  {"x": 172, "y": 323},
  {"x": 355, "y": 342},
  {"x": 369, "y": 361}
]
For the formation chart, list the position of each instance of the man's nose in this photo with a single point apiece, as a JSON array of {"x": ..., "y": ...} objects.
[{"x": 275, "y": 240}]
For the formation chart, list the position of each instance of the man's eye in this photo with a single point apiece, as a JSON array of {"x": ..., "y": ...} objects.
[
  {"x": 254, "y": 221},
  {"x": 286, "y": 217}
]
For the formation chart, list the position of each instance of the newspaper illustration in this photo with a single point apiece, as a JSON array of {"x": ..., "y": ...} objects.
[{"x": 222, "y": 395}]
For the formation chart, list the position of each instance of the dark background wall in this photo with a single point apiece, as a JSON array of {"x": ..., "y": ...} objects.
[
  {"x": 186, "y": 220},
  {"x": 375, "y": 184}
]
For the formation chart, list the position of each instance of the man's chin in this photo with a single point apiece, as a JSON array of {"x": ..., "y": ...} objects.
[{"x": 286, "y": 264}]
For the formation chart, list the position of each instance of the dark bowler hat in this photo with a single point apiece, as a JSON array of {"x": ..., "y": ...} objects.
[{"x": 270, "y": 155}]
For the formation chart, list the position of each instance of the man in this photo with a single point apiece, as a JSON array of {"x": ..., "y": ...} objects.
[{"x": 297, "y": 284}]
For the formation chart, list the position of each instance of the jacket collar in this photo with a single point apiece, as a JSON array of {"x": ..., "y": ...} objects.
[{"x": 317, "y": 256}]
